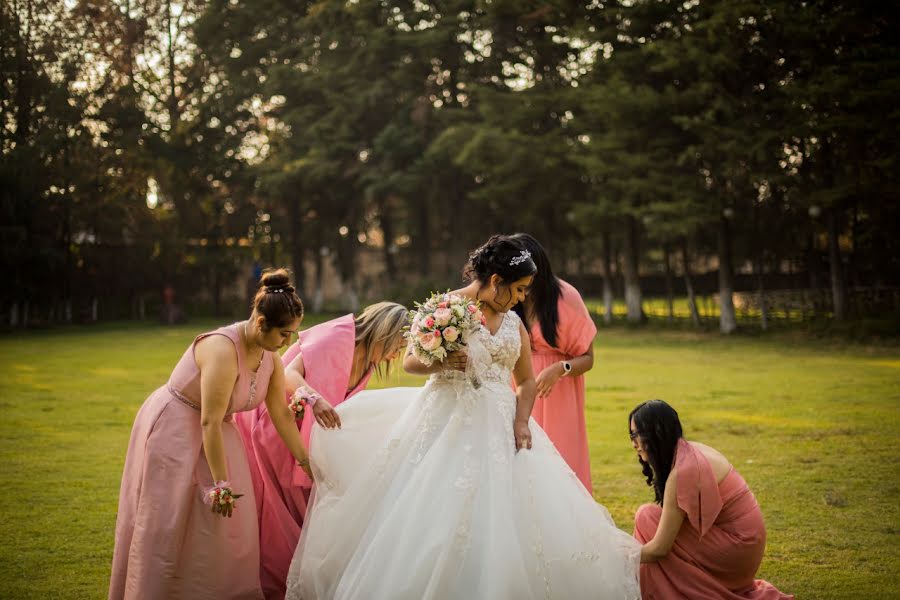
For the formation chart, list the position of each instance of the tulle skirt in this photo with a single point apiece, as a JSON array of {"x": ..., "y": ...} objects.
[{"x": 422, "y": 494}]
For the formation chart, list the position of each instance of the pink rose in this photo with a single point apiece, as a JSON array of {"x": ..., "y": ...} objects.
[
  {"x": 471, "y": 308},
  {"x": 483, "y": 320},
  {"x": 444, "y": 304},
  {"x": 431, "y": 342},
  {"x": 442, "y": 316},
  {"x": 451, "y": 334},
  {"x": 429, "y": 322}
]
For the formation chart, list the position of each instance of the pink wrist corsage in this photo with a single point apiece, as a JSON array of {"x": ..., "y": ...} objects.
[
  {"x": 301, "y": 398},
  {"x": 220, "y": 496}
]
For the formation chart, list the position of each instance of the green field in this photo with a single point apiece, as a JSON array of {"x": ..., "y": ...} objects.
[{"x": 812, "y": 426}]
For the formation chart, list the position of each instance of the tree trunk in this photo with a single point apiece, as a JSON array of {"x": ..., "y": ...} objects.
[
  {"x": 758, "y": 264},
  {"x": 838, "y": 284},
  {"x": 633, "y": 299},
  {"x": 607, "y": 278},
  {"x": 346, "y": 260},
  {"x": 424, "y": 237},
  {"x": 387, "y": 228},
  {"x": 297, "y": 249},
  {"x": 670, "y": 287},
  {"x": 688, "y": 284},
  {"x": 761, "y": 290},
  {"x": 319, "y": 275},
  {"x": 217, "y": 285},
  {"x": 727, "y": 320},
  {"x": 173, "y": 98}
]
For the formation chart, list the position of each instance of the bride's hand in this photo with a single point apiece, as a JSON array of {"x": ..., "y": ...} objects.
[
  {"x": 523, "y": 435},
  {"x": 457, "y": 360},
  {"x": 325, "y": 414}
]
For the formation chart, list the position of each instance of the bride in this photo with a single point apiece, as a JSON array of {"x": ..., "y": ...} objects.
[{"x": 450, "y": 491}]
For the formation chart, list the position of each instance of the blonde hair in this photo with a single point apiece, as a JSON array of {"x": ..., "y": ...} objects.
[{"x": 383, "y": 323}]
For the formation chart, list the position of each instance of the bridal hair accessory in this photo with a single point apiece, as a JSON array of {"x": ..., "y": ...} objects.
[
  {"x": 277, "y": 290},
  {"x": 520, "y": 258}
]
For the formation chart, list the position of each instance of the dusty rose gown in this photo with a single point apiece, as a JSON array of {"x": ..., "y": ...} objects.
[
  {"x": 561, "y": 414},
  {"x": 169, "y": 544},
  {"x": 720, "y": 545},
  {"x": 283, "y": 488}
]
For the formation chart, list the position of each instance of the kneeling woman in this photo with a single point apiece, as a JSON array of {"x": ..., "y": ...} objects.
[
  {"x": 330, "y": 363},
  {"x": 714, "y": 554}
]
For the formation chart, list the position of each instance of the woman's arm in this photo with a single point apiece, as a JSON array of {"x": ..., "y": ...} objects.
[
  {"x": 669, "y": 523},
  {"x": 216, "y": 358},
  {"x": 525, "y": 391},
  {"x": 551, "y": 374},
  {"x": 414, "y": 366},
  {"x": 283, "y": 418},
  {"x": 294, "y": 379},
  {"x": 294, "y": 374},
  {"x": 582, "y": 364}
]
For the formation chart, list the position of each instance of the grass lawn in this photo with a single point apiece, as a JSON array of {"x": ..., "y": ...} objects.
[{"x": 811, "y": 425}]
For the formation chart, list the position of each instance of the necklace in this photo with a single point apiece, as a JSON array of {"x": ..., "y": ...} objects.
[{"x": 247, "y": 341}]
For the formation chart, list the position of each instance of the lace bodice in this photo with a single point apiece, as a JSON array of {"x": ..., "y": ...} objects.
[{"x": 491, "y": 357}]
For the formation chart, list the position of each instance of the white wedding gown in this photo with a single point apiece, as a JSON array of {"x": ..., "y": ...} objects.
[{"x": 422, "y": 495}]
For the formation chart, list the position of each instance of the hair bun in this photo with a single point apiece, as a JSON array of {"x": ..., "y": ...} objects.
[
  {"x": 496, "y": 257},
  {"x": 276, "y": 279},
  {"x": 277, "y": 299}
]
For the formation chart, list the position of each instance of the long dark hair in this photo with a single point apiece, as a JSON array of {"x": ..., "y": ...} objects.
[
  {"x": 544, "y": 292},
  {"x": 659, "y": 428}
]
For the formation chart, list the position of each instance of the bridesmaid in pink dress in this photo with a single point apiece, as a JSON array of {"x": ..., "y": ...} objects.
[
  {"x": 333, "y": 360},
  {"x": 562, "y": 336},
  {"x": 170, "y": 543},
  {"x": 705, "y": 537}
]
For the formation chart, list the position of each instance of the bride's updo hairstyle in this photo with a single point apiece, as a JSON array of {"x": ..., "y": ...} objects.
[
  {"x": 502, "y": 256},
  {"x": 277, "y": 300}
]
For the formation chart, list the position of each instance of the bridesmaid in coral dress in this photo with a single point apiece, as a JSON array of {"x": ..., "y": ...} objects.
[
  {"x": 171, "y": 538},
  {"x": 705, "y": 537},
  {"x": 331, "y": 362},
  {"x": 562, "y": 336}
]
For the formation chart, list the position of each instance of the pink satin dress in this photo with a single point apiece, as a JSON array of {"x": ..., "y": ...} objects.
[
  {"x": 169, "y": 544},
  {"x": 561, "y": 414},
  {"x": 282, "y": 487},
  {"x": 720, "y": 545}
]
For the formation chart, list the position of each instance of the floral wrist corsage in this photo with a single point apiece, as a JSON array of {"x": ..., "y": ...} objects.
[
  {"x": 221, "y": 497},
  {"x": 301, "y": 398}
]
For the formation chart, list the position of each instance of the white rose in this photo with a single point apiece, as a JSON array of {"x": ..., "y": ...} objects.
[{"x": 442, "y": 316}]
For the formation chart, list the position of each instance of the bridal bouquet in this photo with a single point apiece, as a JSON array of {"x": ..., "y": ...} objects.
[{"x": 442, "y": 324}]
